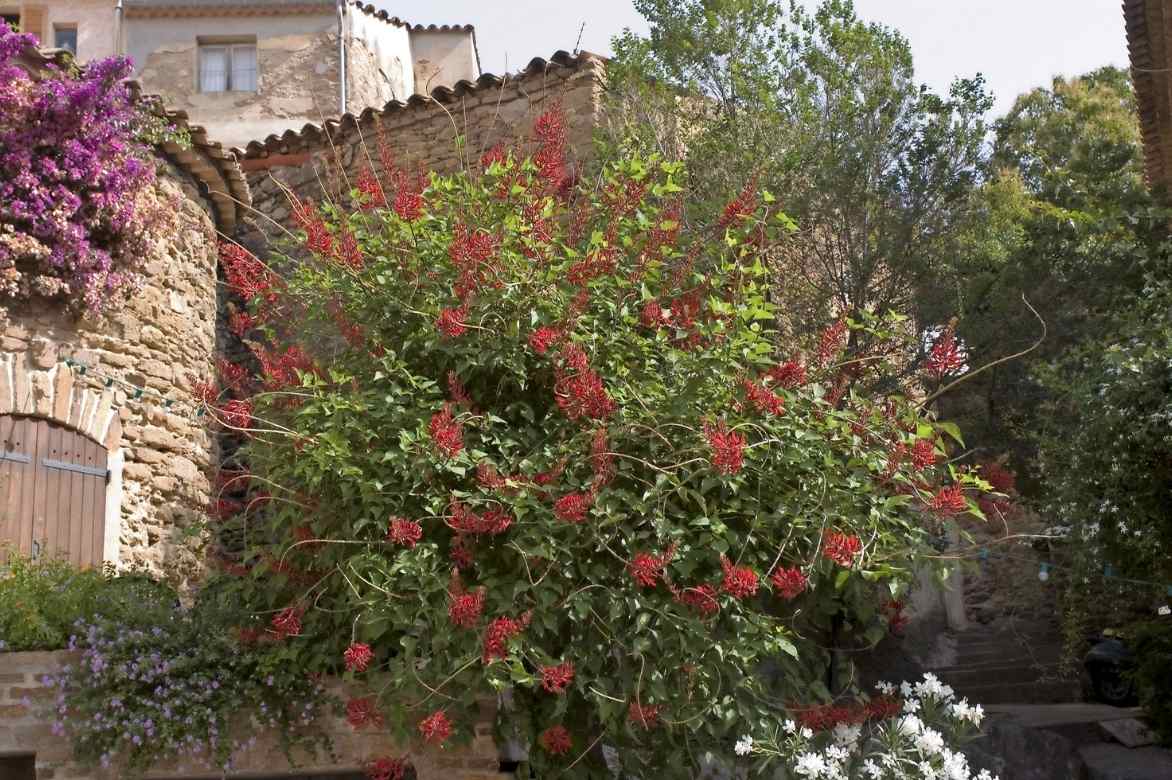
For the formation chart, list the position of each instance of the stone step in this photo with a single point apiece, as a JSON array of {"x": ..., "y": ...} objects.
[
  {"x": 960, "y": 676},
  {"x": 1021, "y": 693}
]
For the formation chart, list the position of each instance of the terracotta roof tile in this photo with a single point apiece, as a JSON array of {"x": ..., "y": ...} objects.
[
  {"x": 295, "y": 140},
  {"x": 1148, "y": 24}
]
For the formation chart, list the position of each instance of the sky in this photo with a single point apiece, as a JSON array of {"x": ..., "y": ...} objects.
[{"x": 1016, "y": 44}]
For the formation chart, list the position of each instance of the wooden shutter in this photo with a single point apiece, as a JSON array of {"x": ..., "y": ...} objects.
[
  {"x": 32, "y": 20},
  {"x": 52, "y": 490}
]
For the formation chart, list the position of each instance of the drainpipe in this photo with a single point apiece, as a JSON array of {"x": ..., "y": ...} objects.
[
  {"x": 118, "y": 47},
  {"x": 341, "y": 53}
]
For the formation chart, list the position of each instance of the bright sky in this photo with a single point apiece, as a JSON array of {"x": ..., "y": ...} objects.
[{"x": 1017, "y": 44}]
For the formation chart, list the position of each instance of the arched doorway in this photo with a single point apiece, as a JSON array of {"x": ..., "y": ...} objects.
[{"x": 52, "y": 491}]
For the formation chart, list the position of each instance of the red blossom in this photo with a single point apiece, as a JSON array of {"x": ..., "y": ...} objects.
[
  {"x": 701, "y": 598},
  {"x": 435, "y": 728},
  {"x": 357, "y": 657},
  {"x": 945, "y": 356},
  {"x": 457, "y": 390},
  {"x": 543, "y": 338},
  {"x": 652, "y": 315},
  {"x": 646, "y": 569},
  {"x": 237, "y": 413},
  {"x": 465, "y": 521},
  {"x": 460, "y": 552},
  {"x": 387, "y": 768},
  {"x": 841, "y": 548},
  {"x": 601, "y": 458},
  {"x": 408, "y": 204},
  {"x": 727, "y": 448},
  {"x": 244, "y": 273},
  {"x": 550, "y": 129},
  {"x": 739, "y": 581},
  {"x": 496, "y": 154},
  {"x": 552, "y": 475},
  {"x": 598, "y": 263},
  {"x": 453, "y": 322},
  {"x": 556, "y": 741},
  {"x": 284, "y": 369},
  {"x": 405, "y": 532},
  {"x": 287, "y": 622},
  {"x": 498, "y": 634},
  {"x": 446, "y": 432},
  {"x": 948, "y": 501},
  {"x": 368, "y": 184},
  {"x": 572, "y": 508},
  {"x": 923, "y": 454},
  {"x": 489, "y": 478},
  {"x": 363, "y": 712},
  {"x": 465, "y": 608},
  {"x": 789, "y": 582},
  {"x": 763, "y": 399},
  {"x": 205, "y": 392},
  {"x": 646, "y": 716},
  {"x": 240, "y": 322},
  {"x": 582, "y": 394},
  {"x": 555, "y": 679},
  {"x": 347, "y": 252},
  {"x": 831, "y": 342},
  {"x": 317, "y": 236},
  {"x": 790, "y": 375},
  {"x": 740, "y": 207}
]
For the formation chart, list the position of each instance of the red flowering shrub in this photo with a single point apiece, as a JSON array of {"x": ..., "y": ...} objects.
[{"x": 593, "y": 496}]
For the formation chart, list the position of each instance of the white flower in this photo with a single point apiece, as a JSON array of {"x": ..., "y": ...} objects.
[
  {"x": 847, "y": 735},
  {"x": 910, "y": 725},
  {"x": 836, "y": 754},
  {"x": 744, "y": 746},
  {"x": 905, "y": 689},
  {"x": 911, "y": 705},
  {"x": 789, "y": 727},
  {"x": 807, "y": 732},
  {"x": 872, "y": 769},
  {"x": 886, "y": 688},
  {"x": 810, "y": 765},
  {"x": 930, "y": 742},
  {"x": 928, "y": 771},
  {"x": 956, "y": 766},
  {"x": 984, "y": 774}
]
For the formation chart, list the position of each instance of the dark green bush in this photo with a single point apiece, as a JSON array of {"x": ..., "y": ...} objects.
[{"x": 1152, "y": 645}]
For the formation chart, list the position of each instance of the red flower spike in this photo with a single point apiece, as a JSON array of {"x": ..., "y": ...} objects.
[
  {"x": 496, "y": 154},
  {"x": 460, "y": 552},
  {"x": 240, "y": 323},
  {"x": 945, "y": 357},
  {"x": 556, "y": 741},
  {"x": 841, "y": 548},
  {"x": 452, "y": 323},
  {"x": 949, "y": 501},
  {"x": 555, "y": 679},
  {"x": 923, "y": 454},
  {"x": 464, "y": 521},
  {"x": 287, "y": 622},
  {"x": 405, "y": 532},
  {"x": 408, "y": 204},
  {"x": 741, "y": 207},
  {"x": 831, "y": 342},
  {"x": 543, "y": 338},
  {"x": 498, "y": 634},
  {"x": 763, "y": 399},
  {"x": 465, "y": 609},
  {"x": 601, "y": 459},
  {"x": 701, "y": 598},
  {"x": 244, "y": 273},
  {"x": 357, "y": 657},
  {"x": 727, "y": 448},
  {"x": 739, "y": 581},
  {"x": 348, "y": 253},
  {"x": 788, "y": 583},
  {"x": 789, "y": 375},
  {"x": 652, "y": 315},
  {"x": 237, "y": 414},
  {"x": 368, "y": 184},
  {"x": 446, "y": 432},
  {"x": 387, "y": 768},
  {"x": 646, "y": 569},
  {"x": 435, "y": 728},
  {"x": 572, "y": 508},
  {"x": 363, "y": 712},
  {"x": 645, "y": 716}
]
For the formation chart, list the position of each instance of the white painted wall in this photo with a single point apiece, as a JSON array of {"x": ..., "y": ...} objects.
[
  {"x": 94, "y": 20},
  {"x": 443, "y": 57},
  {"x": 391, "y": 46}
]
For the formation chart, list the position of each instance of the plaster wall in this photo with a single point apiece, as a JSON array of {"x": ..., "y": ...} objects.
[
  {"x": 297, "y": 71},
  {"x": 380, "y": 63},
  {"x": 443, "y": 57},
  {"x": 94, "y": 20}
]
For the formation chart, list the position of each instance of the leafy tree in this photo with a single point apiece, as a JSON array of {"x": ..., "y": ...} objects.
[
  {"x": 1064, "y": 218},
  {"x": 824, "y": 108},
  {"x": 516, "y": 434}
]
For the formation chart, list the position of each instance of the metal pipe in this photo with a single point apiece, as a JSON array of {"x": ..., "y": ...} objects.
[
  {"x": 341, "y": 53},
  {"x": 119, "y": 49}
]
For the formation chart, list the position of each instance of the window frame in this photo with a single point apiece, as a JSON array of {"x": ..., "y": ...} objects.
[
  {"x": 58, "y": 27},
  {"x": 229, "y": 46}
]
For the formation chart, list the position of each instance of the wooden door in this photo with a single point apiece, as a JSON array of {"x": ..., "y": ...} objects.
[{"x": 52, "y": 491}]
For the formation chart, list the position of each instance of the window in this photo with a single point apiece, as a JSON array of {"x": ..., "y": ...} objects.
[
  {"x": 12, "y": 20},
  {"x": 227, "y": 67},
  {"x": 18, "y": 767},
  {"x": 65, "y": 37}
]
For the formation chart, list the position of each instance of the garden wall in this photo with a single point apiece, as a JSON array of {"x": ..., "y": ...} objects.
[
  {"x": 422, "y": 132},
  {"x": 26, "y": 729},
  {"x": 159, "y": 457}
]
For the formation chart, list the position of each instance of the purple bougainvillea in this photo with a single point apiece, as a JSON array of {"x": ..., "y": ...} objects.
[{"x": 76, "y": 194}]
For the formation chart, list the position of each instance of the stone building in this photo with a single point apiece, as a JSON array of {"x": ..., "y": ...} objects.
[{"x": 246, "y": 68}]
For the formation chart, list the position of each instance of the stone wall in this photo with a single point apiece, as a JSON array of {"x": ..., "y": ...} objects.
[
  {"x": 26, "y": 728},
  {"x": 162, "y": 339},
  {"x": 422, "y": 133}
]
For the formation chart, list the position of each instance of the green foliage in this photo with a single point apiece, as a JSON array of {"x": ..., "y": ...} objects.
[
  {"x": 42, "y": 599},
  {"x": 570, "y": 367},
  {"x": 824, "y": 108},
  {"x": 1152, "y": 645},
  {"x": 159, "y": 683}
]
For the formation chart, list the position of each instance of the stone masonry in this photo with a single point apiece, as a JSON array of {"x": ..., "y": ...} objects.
[{"x": 163, "y": 339}]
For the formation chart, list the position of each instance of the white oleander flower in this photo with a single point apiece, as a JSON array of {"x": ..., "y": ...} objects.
[
  {"x": 810, "y": 765},
  {"x": 928, "y": 771},
  {"x": 956, "y": 766},
  {"x": 930, "y": 741},
  {"x": 847, "y": 735},
  {"x": 872, "y": 769},
  {"x": 886, "y": 688},
  {"x": 789, "y": 727},
  {"x": 744, "y": 746},
  {"x": 911, "y": 705},
  {"x": 807, "y": 732},
  {"x": 910, "y": 725},
  {"x": 905, "y": 689}
]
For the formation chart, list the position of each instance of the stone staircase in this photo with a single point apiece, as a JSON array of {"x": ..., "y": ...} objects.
[{"x": 1005, "y": 667}]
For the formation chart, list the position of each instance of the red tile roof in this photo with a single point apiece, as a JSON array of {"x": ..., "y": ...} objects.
[{"x": 1149, "y": 40}]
